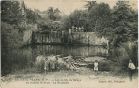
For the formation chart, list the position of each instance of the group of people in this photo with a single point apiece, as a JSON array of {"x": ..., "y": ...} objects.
[
  {"x": 53, "y": 63},
  {"x": 56, "y": 62},
  {"x": 131, "y": 68}
]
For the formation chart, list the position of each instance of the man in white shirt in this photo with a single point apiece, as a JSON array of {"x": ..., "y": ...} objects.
[{"x": 131, "y": 67}]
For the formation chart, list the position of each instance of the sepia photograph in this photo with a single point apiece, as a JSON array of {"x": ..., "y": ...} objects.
[{"x": 69, "y": 44}]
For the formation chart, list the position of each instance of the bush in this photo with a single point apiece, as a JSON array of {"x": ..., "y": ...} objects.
[
  {"x": 40, "y": 66},
  {"x": 10, "y": 36},
  {"x": 105, "y": 65}
]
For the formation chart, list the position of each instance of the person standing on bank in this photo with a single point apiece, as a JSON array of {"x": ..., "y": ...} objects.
[
  {"x": 96, "y": 66},
  {"x": 131, "y": 67}
]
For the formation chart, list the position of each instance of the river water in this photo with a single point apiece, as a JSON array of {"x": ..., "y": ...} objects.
[
  {"x": 70, "y": 50},
  {"x": 15, "y": 59}
]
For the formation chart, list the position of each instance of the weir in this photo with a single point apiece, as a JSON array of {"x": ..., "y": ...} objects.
[{"x": 75, "y": 38}]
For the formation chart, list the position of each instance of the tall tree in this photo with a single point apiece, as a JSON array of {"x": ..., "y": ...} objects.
[
  {"x": 99, "y": 17},
  {"x": 53, "y": 14},
  {"x": 31, "y": 16},
  {"x": 122, "y": 20},
  {"x": 11, "y": 12},
  {"x": 57, "y": 13}
]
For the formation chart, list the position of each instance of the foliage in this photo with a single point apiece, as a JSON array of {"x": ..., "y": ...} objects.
[
  {"x": 78, "y": 19},
  {"x": 90, "y": 4},
  {"x": 31, "y": 16},
  {"x": 49, "y": 20},
  {"x": 122, "y": 20},
  {"x": 53, "y": 14},
  {"x": 10, "y": 36},
  {"x": 50, "y": 26},
  {"x": 131, "y": 49},
  {"x": 11, "y": 12},
  {"x": 99, "y": 18},
  {"x": 118, "y": 24},
  {"x": 16, "y": 14}
]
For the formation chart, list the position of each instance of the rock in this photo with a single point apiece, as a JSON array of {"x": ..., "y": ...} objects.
[
  {"x": 92, "y": 59},
  {"x": 39, "y": 59}
]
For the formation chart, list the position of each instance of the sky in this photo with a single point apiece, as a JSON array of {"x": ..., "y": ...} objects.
[{"x": 68, "y": 6}]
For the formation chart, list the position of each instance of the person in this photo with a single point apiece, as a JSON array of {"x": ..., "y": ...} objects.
[
  {"x": 131, "y": 67},
  {"x": 96, "y": 66},
  {"x": 53, "y": 61},
  {"x": 46, "y": 67}
]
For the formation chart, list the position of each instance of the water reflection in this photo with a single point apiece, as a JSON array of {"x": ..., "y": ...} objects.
[{"x": 70, "y": 50}]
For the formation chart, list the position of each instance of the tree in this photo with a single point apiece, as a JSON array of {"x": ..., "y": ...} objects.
[
  {"x": 122, "y": 22},
  {"x": 57, "y": 13},
  {"x": 53, "y": 14},
  {"x": 31, "y": 16},
  {"x": 99, "y": 17},
  {"x": 11, "y": 12},
  {"x": 77, "y": 18},
  {"x": 90, "y": 4}
]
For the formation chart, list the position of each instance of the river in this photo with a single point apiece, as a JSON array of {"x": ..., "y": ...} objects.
[{"x": 17, "y": 59}]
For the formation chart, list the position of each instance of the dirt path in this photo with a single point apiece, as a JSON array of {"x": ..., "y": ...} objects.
[{"x": 68, "y": 79}]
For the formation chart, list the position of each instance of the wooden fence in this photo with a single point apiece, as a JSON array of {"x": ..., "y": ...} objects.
[{"x": 84, "y": 38}]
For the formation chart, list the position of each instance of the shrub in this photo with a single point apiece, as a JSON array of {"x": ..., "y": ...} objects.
[{"x": 105, "y": 65}]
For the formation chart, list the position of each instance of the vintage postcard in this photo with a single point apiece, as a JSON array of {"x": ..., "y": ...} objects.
[{"x": 69, "y": 44}]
